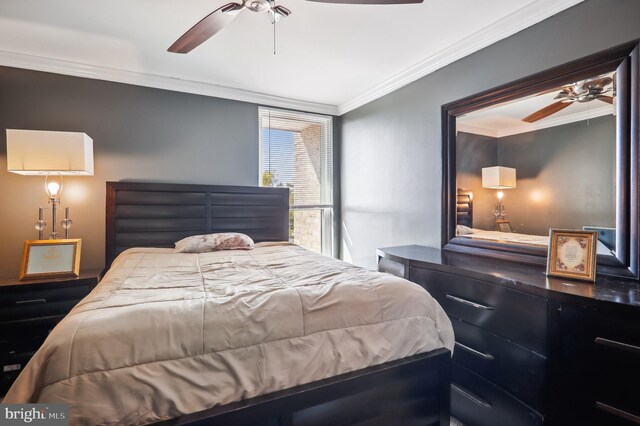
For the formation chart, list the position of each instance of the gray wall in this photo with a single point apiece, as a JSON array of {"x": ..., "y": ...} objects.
[
  {"x": 565, "y": 176},
  {"x": 391, "y": 164},
  {"x": 473, "y": 152},
  {"x": 139, "y": 134}
]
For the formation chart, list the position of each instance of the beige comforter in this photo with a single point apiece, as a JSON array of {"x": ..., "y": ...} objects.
[{"x": 166, "y": 334}]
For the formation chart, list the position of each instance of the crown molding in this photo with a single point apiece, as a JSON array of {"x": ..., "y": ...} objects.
[
  {"x": 476, "y": 130},
  {"x": 556, "y": 121},
  {"x": 501, "y": 29},
  {"x": 532, "y": 127},
  {"x": 77, "y": 69}
]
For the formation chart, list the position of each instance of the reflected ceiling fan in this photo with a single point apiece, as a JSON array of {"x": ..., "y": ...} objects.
[
  {"x": 216, "y": 20},
  {"x": 582, "y": 91}
]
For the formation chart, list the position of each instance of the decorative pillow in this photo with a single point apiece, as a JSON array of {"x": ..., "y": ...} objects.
[
  {"x": 463, "y": 230},
  {"x": 214, "y": 242}
]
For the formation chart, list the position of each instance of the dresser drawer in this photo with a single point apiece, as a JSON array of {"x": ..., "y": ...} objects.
[
  {"x": 607, "y": 374},
  {"x": 392, "y": 267},
  {"x": 477, "y": 402},
  {"x": 518, "y": 316},
  {"x": 617, "y": 384},
  {"x": 510, "y": 366}
]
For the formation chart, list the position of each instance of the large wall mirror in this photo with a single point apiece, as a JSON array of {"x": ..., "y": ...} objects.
[{"x": 558, "y": 150}]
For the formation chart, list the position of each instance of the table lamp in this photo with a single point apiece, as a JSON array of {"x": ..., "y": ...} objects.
[
  {"x": 499, "y": 178},
  {"x": 52, "y": 155}
]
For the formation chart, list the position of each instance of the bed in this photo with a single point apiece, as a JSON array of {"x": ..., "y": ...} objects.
[
  {"x": 276, "y": 335},
  {"x": 505, "y": 237},
  {"x": 465, "y": 229}
]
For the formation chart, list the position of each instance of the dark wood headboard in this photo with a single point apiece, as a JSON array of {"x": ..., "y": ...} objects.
[
  {"x": 158, "y": 214},
  {"x": 464, "y": 208}
]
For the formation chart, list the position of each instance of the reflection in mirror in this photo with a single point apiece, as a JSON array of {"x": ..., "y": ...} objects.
[{"x": 540, "y": 162}]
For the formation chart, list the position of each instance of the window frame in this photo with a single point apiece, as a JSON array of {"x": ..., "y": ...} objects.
[{"x": 327, "y": 231}]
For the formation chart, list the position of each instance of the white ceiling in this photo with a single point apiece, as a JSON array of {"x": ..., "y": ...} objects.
[
  {"x": 330, "y": 58},
  {"x": 506, "y": 119}
]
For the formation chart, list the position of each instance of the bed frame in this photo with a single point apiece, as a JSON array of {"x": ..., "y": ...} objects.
[{"x": 409, "y": 391}]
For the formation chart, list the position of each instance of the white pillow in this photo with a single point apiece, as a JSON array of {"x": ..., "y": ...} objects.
[
  {"x": 214, "y": 242},
  {"x": 463, "y": 230}
]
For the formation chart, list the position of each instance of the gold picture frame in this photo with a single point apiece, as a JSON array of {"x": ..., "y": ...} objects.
[
  {"x": 572, "y": 254},
  {"x": 503, "y": 226},
  {"x": 51, "y": 259}
]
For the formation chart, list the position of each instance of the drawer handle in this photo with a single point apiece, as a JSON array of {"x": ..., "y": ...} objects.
[
  {"x": 470, "y": 396},
  {"x": 475, "y": 352},
  {"x": 618, "y": 412},
  {"x": 617, "y": 345},
  {"x": 470, "y": 303},
  {"x": 26, "y": 302}
]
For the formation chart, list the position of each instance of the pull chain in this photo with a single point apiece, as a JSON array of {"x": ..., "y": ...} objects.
[{"x": 274, "y": 32}]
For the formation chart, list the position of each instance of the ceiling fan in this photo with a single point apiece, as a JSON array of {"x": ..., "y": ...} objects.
[
  {"x": 216, "y": 20},
  {"x": 582, "y": 91}
]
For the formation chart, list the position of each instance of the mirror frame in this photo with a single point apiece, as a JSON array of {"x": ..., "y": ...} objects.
[{"x": 624, "y": 59}]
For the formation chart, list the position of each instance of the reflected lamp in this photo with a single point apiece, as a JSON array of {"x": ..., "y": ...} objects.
[{"x": 499, "y": 177}]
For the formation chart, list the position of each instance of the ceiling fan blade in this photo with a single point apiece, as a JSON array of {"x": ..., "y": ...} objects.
[
  {"x": 546, "y": 111},
  {"x": 277, "y": 13},
  {"x": 599, "y": 82},
  {"x": 607, "y": 99},
  {"x": 369, "y": 1},
  {"x": 205, "y": 29}
]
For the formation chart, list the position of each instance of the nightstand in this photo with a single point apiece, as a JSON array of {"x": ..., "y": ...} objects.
[{"x": 28, "y": 312}]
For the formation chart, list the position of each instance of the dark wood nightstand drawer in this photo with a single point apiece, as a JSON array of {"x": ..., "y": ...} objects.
[
  {"x": 27, "y": 295},
  {"x": 17, "y": 330},
  {"x": 15, "y": 355},
  {"x": 508, "y": 313},
  {"x": 36, "y": 309},
  {"x": 15, "y": 361},
  {"x": 29, "y": 310},
  {"x": 477, "y": 402},
  {"x": 510, "y": 366}
]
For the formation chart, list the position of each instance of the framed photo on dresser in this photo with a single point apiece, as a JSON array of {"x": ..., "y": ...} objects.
[{"x": 572, "y": 254}]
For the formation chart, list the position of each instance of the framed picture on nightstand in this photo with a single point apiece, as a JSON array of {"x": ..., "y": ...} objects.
[
  {"x": 503, "y": 226},
  {"x": 50, "y": 259}
]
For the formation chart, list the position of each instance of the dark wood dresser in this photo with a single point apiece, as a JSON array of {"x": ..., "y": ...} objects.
[
  {"x": 28, "y": 312},
  {"x": 530, "y": 349}
]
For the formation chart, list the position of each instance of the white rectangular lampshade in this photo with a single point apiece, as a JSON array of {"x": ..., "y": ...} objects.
[
  {"x": 498, "y": 177},
  {"x": 35, "y": 152}
]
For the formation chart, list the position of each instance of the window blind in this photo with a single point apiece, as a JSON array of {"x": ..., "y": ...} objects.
[{"x": 296, "y": 151}]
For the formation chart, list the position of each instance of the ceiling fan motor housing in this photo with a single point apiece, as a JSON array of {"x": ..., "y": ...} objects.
[{"x": 258, "y": 5}]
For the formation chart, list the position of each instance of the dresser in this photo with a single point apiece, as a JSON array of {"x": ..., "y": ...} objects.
[
  {"x": 531, "y": 349},
  {"x": 28, "y": 312}
]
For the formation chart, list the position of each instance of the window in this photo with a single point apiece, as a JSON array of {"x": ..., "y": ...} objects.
[{"x": 296, "y": 152}]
